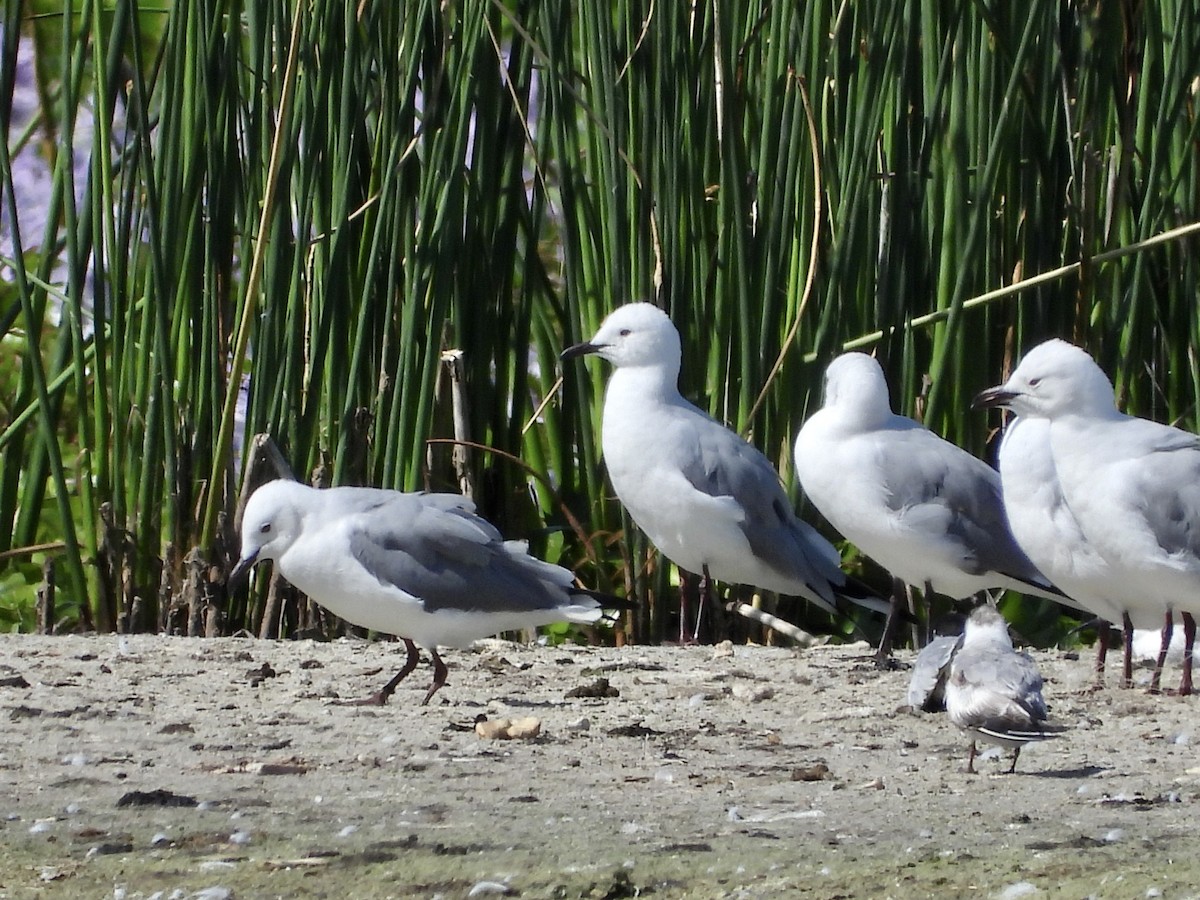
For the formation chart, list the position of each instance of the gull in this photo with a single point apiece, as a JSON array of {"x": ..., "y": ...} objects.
[
  {"x": 927, "y": 511},
  {"x": 994, "y": 693},
  {"x": 1133, "y": 485},
  {"x": 708, "y": 500},
  {"x": 420, "y": 566},
  {"x": 1048, "y": 532}
]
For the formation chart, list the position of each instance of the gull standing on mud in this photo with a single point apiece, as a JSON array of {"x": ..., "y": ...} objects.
[
  {"x": 1049, "y": 533},
  {"x": 420, "y": 566},
  {"x": 927, "y": 511},
  {"x": 1133, "y": 485},
  {"x": 994, "y": 693},
  {"x": 708, "y": 500}
]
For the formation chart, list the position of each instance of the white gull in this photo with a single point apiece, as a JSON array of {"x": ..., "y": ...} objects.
[
  {"x": 708, "y": 500},
  {"x": 420, "y": 566},
  {"x": 927, "y": 511},
  {"x": 1133, "y": 485},
  {"x": 1049, "y": 533}
]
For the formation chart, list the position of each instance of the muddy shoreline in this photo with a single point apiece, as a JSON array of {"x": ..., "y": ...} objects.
[{"x": 713, "y": 772}]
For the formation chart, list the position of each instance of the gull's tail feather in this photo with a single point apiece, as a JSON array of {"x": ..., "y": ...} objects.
[
  {"x": 601, "y": 607},
  {"x": 860, "y": 594},
  {"x": 1040, "y": 587},
  {"x": 1021, "y": 736}
]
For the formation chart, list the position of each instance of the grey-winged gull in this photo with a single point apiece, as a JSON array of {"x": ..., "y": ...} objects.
[
  {"x": 994, "y": 693},
  {"x": 1048, "y": 532},
  {"x": 1133, "y": 484},
  {"x": 708, "y": 500},
  {"x": 420, "y": 566},
  {"x": 927, "y": 511}
]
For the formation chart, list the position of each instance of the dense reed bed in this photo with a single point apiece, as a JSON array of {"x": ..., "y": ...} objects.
[{"x": 334, "y": 214}]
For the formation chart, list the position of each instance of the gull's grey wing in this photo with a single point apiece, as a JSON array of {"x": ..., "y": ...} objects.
[
  {"x": 1166, "y": 490},
  {"x": 1005, "y": 688},
  {"x": 440, "y": 552},
  {"x": 719, "y": 463},
  {"x": 927, "y": 685},
  {"x": 954, "y": 495}
]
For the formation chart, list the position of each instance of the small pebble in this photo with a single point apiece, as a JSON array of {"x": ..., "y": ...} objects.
[
  {"x": 583, "y": 723},
  {"x": 1019, "y": 889},
  {"x": 753, "y": 693},
  {"x": 211, "y": 865},
  {"x": 488, "y": 887},
  {"x": 240, "y": 837}
]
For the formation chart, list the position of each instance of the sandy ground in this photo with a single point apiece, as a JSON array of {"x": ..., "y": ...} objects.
[{"x": 150, "y": 766}]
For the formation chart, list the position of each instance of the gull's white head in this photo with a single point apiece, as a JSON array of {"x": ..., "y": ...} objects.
[
  {"x": 271, "y": 523},
  {"x": 637, "y": 334},
  {"x": 986, "y": 624},
  {"x": 854, "y": 382},
  {"x": 1053, "y": 379}
]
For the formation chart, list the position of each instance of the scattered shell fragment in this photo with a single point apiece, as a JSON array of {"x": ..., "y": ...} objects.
[
  {"x": 276, "y": 768},
  {"x": 753, "y": 693},
  {"x": 509, "y": 729},
  {"x": 482, "y": 888}
]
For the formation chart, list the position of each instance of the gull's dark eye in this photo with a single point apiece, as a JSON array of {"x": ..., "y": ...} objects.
[
  {"x": 264, "y": 528},
  {"x": 1034, "y": 382},
  {"x": 625, "y": 332}
]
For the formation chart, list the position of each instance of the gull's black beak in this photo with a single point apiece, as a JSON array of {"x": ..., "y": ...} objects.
[
  {"x": 993, "y": 396},
  {"x": 241, "y": 573},
  {"x": 580, "y": 350}
]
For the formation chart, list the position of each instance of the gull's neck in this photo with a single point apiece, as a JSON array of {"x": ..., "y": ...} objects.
[
  {"x": 1082, "y": 419},
  {"x": 631, "y": 385},
  {"x": 989, "y": 634},
  {"x": 863, "y": 414}
]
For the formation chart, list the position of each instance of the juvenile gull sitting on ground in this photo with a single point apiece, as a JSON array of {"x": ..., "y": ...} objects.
[
  {"x": 927, "y": 511},
  {"x": 706, "y": 498},
  {"x": 994, "y": 693},
  {"x": 423, "y": 567},
  {"x": 1133, "y": 484}
]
